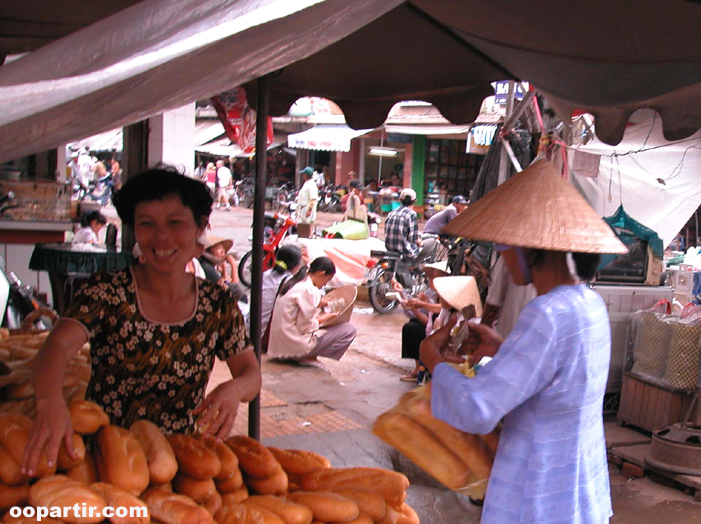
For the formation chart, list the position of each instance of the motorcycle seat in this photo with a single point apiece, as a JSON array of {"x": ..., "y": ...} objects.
[{"x": 385, "y": 254}]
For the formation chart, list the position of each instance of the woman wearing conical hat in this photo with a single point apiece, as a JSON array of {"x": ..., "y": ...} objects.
[{"x": 548, "y": 377}]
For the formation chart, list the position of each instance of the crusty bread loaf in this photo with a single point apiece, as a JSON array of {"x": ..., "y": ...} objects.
[
  {"x": 59, "y": 490},
  {"x": 162, "y": 465},
  {"x": 422, "y": 446},
  {"x": 85, "y": 471},
  {"x": 118, "y": 498},
  {"x": 274, "y": 485},
  {"x": 236, "y": 497},
  {"x": 255, "y": 460},
  {"x": 391, "y": 516},
  {"x": 213, "y": 504},
  {"x": 369, "y": 502},
  {"x": 327, "y": 506},
  {"x": 87, "y": 417},
  {"x": 231, "y": 484},
  {"x": 63, "y": 461},
  {"x": 228, "y": 459},
  {"x": 290, "y": 512},
  {"x": 363, "y": 518},
  {"x": 13, "y": 496},
  {"x": 8, "y": 519},
  {"x": 14, "y": 434},
  {"x": 242, "y": 514},
  {"x": 468, "y": 448},
  {"x": 171, "y": 508},
  {"x": 198, "y": 490},
  {"x": 194, "y": 458},
  {"x": 124, "y": 460},
  {"x": 299, "y": 462},
  {"x": 390, "y": 484},
  {"x": 492, "y": 440},
  {"x": 407, "y": 515},
  {"x": 10, "y": 469}
]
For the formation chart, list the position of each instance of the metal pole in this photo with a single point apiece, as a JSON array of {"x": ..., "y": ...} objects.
[
  {"x": 258, "y": 219},
  {"x": 504, "y": 167}
]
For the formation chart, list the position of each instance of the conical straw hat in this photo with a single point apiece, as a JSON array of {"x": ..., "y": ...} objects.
[
  {"x": 436, "y": 269},
  {"x": 459, "y": 291},
  {"x": 538, "y": 209}
]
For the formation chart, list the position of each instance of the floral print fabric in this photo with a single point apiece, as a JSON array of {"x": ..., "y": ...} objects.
[{"x": 156, "y": 371}]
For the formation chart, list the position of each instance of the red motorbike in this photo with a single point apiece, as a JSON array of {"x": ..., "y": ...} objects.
[{"x": 277, "y": 227}]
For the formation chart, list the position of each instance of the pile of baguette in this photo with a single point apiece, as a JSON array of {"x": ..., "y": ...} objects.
[
  {"x": 458, "y": 460},
  {"x": 16, "y": 363},
  {"x": 185, "y": 479}
]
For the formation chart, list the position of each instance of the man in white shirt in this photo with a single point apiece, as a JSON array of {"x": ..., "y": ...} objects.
[
  {"x": 224, "y": 182},
  {"x": 307, "y": 197}
]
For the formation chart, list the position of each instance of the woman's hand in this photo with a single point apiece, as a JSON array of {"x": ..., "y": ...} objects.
[
  {"x": 486, "y": 345},
  {"x": 220, "y": 408},
  {"x": 431, "y": 347},
  {"x": 323, "y": 302},
  {"x": 52, "y": 424},
  {"x": 327, "y": 317}
]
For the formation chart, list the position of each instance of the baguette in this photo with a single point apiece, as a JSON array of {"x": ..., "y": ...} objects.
[
  {"x": 85, "y": 471},
  {"x": 124, "y": 460},
  {"x": 213, "y": 504},
  {"x": 194, "y": 458},
  {"x": 327, "y": 506},
  {"x": 390, "y": 484},
  {"x": 236, "y": 497},
  {"x": 58, "y": 490},
  {"x": 391, "y": 516},
  {"x": 197, "y": 490},
  {"x": 290, "y": 512},
  {"x": 231, "y": 484},
  {"x": 14, "y": 434},
  {"x": 228, "y": 459},
  {"x": 10, "y": 469},
  {"x": 171, "y": 508},
  {"x": 274, "y": 485},
  {"x": 63, "y": 461},
  {"x": 242, "y": 514},
  {"x": 13, "y": 496},
  {"x": 118, "y": 498},
  {"x": 363, "y": 518},
  {"x": 407, "y": 515},
  {"x": 162, "y": 464},
  {"x": 87, "y": 417},
  {"x": 8, "y": 519},
  {"x": 298, "y": 462},
  {"x": 369, "y": 502},
  {"x": 255, "y": 459}
]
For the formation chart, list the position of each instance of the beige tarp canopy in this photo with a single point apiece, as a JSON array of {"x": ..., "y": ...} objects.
[{"x": 609, "y": 58}]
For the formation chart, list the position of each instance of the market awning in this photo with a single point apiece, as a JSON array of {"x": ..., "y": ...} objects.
[
  {"x": 428, "y": 130},
  {"x": 225, "y": 148},
  {"x": 108, "y": 141},
  {"x": 325, "y": 138}
]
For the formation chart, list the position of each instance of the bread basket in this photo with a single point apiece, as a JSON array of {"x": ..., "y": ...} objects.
[{"x": 348, "y": 294}]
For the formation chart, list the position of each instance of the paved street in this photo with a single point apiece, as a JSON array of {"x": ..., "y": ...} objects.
[{"x": 332, "y": 412}]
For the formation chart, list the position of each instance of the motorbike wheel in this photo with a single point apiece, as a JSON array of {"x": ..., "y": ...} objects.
[
  {"x": 377, "y": 292},
  {"x": 245, "y": 269},
  {"x": 334, "y": 206}
]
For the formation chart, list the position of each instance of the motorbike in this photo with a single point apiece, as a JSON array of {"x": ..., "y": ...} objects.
[
  {"x": 277, "y": 227},
  {"x": 100, "y": 191},
  {"x": 329, "y": 199},
  {"x": 383, "y": 268},
  {"x": 245, "y": 190}
]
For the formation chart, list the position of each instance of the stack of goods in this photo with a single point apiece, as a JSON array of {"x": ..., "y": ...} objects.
[
  {"x": 16, "y": 363},
  {"x": 185, "y": 479},
  {"x": 458, "y": 460}
]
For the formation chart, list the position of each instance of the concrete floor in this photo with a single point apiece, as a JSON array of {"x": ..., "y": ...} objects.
[{"x": 365, "y": 383}]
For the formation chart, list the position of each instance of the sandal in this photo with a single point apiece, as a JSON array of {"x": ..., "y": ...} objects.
[{"x": 409, "y": 378}]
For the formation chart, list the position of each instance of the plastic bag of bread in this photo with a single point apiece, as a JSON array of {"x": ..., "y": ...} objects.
[{"x": 458, "y": 460}]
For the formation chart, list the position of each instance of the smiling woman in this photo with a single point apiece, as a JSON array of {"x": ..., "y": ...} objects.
[{"x": 154, "y": 330}]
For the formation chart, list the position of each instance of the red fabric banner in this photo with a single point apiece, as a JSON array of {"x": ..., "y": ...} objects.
[{"x": 239, "y": 119}]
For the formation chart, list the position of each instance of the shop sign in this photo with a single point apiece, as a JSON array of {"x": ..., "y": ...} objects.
[
  {"x": 483, "y": 135},
  {"x": 501, "y": 91},
  {"x": 399, "y": 138}
]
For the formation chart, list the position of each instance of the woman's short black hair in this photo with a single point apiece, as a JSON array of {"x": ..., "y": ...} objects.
[
  {"x": 159, "y": 184},
  {"x": 90, "y": 216},
  {"x": 290, "y": 255}
]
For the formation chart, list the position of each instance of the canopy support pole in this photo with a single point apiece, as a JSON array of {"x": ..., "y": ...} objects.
[{"x": 258, "y": 231}]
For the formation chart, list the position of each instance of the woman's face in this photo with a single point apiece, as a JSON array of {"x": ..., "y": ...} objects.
[
  {"x": 320, "y": 279},
  {"x": 167, "y": 234},
  {"x": 96, "y": 226},
  {"x": 218, "y": 250},
  {"x": 511, "y": 261}
]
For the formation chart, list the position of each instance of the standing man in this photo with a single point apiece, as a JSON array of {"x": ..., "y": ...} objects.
[
  {"x": 437, "y": 222},
  {"x": 307, "y": 197},
  {"x": 402, "y": 231},
  {"x": 224, "y": 181}
]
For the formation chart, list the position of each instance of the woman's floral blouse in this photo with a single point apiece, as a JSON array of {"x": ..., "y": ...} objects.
[{"x": 151, "y": 370}]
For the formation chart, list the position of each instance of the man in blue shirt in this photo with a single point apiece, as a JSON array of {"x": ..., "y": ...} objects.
[
  {"x": 437, "y": 222},
  {"x": 402, "y": 231}
]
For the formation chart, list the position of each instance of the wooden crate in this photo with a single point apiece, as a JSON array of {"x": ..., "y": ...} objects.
[{"x": 648, "y": 405}]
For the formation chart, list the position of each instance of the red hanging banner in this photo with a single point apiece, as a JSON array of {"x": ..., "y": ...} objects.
[{"x": 239, "y": 119}]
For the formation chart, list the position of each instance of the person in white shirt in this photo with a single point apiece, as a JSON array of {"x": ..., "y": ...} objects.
[
  {"x": 289, "y": 261},
  {"x": 224, "y": 182},
  {"x": 295, "y": 329},
  {"x": 307, "y": 198},
  {"x": 92, "y": 223}
]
